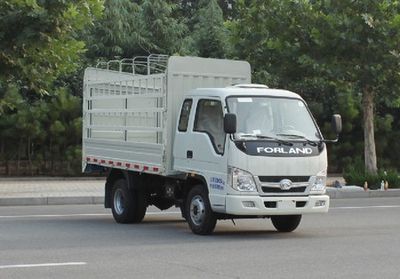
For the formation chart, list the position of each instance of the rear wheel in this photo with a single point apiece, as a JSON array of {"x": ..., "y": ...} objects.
[
  {"x": 198, "y": 211},
  {"x": 286, "y": 223},
  {"x": 127, "y": 206}
]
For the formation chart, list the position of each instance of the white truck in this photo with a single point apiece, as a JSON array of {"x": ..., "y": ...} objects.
[{"x": 196, "y": 134}]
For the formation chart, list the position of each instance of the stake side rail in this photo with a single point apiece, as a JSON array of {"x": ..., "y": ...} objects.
[{"x": 124, "y": 123}]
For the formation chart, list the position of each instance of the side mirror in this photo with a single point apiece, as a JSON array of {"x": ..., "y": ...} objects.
[
  {"x": 230, "y": 123},
  {"x": 337, "y": 123}
]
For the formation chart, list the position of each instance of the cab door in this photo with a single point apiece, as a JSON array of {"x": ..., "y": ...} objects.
[
  {"x": 207, "y": 139},
  {"x": 204, "y": 147}
]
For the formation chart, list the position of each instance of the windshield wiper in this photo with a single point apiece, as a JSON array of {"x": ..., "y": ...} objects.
[
  {"x": 310, "y": 142},
  {"x": 266, "y": 137}
]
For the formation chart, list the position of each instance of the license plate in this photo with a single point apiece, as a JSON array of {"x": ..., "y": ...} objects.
[{"x": 286, "y": 204}]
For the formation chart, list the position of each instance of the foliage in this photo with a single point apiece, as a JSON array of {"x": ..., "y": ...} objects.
[
  {"x": 330, "y": 52},
  {"x": 37, "y": 40},
  {"x": 333, "y": 53},
  {"x": 116, "y": 33},
  {"x": 188, "y": 9},
  {"x": 47, "y": 129},
  {"x": 39, "y": 45},
  {"x": 209, "y": 34},
  {"x": 162, "y": 33},
  {"x": 356, "y": 175},
  {"x": 130, "y": 28}
]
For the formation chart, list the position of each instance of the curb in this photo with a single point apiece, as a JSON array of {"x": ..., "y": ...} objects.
[
  {"x": 52, "y": 178},
  {"x": 345, "y": 194},
  {"x": 80, "y": 200},
  {"x": 91, "y": 200}
]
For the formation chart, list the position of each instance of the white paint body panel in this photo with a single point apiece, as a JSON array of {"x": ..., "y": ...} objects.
[
  {"x": 131, "y": 119},
  {"x": 285, "y": 205},
  {"x": 212, "y": 166}
]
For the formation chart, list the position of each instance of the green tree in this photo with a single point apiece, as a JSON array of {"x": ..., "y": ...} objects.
[
  {"x": 188, "y": 8},
  {"x": 116, "y": 33},
  {"x": 340, "y": 53},
  {"x": 39, "y": 44},
  {"x": 161, "y": 32},
  {"x": 209, "y": 34},
  {"x": 367, "y": 52},
  {"x": 132, "y": 28},
  {"x": 38, "y": 41}
]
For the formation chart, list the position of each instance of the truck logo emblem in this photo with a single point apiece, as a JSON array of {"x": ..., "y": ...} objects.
[
  {"x": 282, "y": 150},
  {"x": 285, "y": 184}
]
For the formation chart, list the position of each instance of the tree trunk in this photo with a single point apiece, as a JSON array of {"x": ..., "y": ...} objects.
[
  {"x": 51, "y": 158},
  {"x": 19, "y": 155},
  {"x": 369, "y": 136},
  {"x": 7, "y": 167},
  {"x": 29, "y": 156}
]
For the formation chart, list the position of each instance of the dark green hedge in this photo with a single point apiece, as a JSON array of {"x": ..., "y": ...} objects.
[{"x": 355, "y": 175}]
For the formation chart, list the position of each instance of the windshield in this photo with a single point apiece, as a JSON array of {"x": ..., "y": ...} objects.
[{"x": 272, "y": 117}]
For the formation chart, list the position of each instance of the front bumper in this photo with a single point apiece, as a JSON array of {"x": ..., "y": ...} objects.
[{"x": 265, "y": 206}]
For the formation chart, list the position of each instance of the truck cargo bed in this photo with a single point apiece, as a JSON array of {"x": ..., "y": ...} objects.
[{"x": 129, "y": 119}]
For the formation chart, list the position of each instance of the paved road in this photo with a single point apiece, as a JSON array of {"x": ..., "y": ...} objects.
[{"x": 358, "y": 238}]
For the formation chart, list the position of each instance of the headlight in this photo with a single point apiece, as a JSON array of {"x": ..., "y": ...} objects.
[
  {"x": 241, "y": 180},
  {"x": 319, "y": 184}
]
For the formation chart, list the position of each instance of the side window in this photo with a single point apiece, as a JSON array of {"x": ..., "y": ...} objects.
[
  {"x": 184, "y": 118},
  {"x": 209, "y": 120}
]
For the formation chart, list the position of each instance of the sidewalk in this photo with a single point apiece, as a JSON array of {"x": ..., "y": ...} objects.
[
  {"x": 58, "y": 191},
  {"x": 44, "y": 191}
]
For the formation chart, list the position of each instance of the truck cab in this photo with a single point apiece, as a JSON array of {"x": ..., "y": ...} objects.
[{"x": 272, "y": 163}]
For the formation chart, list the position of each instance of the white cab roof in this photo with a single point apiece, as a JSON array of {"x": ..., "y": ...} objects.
[{"x": 257, "y": 90}]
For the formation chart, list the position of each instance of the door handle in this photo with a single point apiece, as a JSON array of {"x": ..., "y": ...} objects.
[{"x": 189, "y": 154}]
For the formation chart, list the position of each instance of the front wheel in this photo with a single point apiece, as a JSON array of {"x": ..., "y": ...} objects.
[
  {"x": 286, "y": 223},
  {"x": 198, "y": 211}
]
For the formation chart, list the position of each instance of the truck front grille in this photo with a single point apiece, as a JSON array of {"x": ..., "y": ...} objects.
[
  {"x": 277, "y": 179},
  {"x": 267, "y": 189}
]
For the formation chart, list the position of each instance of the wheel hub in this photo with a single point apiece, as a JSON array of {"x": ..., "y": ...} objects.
[
  {"x": 119, "y": 202},
  {"x": 197, "y": 210}
]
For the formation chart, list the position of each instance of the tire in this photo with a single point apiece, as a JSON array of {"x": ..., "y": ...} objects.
[
  {"x": 127, "y": 206},
  {"x": 198, "y": 211},
  {"x": 286, "y": 223}
]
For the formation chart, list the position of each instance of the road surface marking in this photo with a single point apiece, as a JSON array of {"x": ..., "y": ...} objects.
[
  {"x": 53, "y": 215},
  {"x": 41, "y": 265},
  {"x": 163, "y": 212},
  {"x": 79, "y": 215},
  {"x": 365, "y": 207}
]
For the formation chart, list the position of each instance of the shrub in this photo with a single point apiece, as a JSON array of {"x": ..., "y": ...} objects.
[
  {"x": 393, "y": 178},
  {"x": 355, "y": 175}
]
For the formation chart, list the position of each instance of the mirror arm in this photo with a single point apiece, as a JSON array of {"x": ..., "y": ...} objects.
[{"x": 332, "y": 140}]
